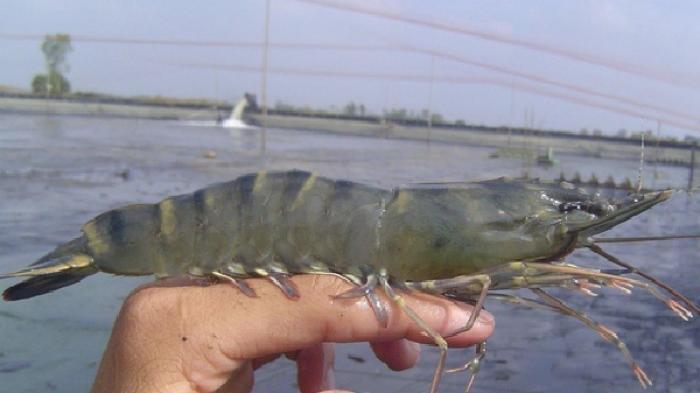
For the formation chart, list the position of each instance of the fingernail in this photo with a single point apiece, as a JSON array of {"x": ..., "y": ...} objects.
[
  {"x": 486, "y": 317},
  {"x": 413, "y": 347},
  {"x": 329, "y": 378}
]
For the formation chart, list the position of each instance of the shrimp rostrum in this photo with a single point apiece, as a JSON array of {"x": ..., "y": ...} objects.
[{"x": 460, "y": 240}]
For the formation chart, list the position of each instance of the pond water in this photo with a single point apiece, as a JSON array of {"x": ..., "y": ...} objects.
[{"x": 58, "y": 172}]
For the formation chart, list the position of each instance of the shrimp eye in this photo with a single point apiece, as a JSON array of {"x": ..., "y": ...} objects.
[{"x": 588, "y": 207}]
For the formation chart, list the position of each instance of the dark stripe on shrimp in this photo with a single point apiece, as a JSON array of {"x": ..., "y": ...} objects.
[
  {"x": 155, "y": 218},
  {"x": 116, "y": 225},
  {"x": 342, "y": 189},
  {"x": 245, "y": 188},
  {"x": 199, "y": 206}
]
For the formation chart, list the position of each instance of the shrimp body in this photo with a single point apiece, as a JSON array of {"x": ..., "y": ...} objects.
[
  {"x": 296, "y": 222},
  {"x": 459, "y": 240}
]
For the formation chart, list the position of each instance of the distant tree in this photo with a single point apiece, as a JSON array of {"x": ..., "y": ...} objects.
[
  {"x": 39, "y": 84},
  {"x": 350, "y": 109},
  {"x": 396, "y": 114},
  {"x": 362, "y": 110},
  {"x": 283, "y": 106},
  {"x": 597, "y": 132},
  {"x": 59, "y": 84},
  {"x": 437, "y": 118},
  {"x": 622, "y": 133},
  {"x": 55, "y": 48},
  {"x": 460, "y": 122},
  {"x": 584, "y": 131},
  {"x": 403, "y": 114}
]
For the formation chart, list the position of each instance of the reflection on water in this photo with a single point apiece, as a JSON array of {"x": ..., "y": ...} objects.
[{"x": 58, "y": 172}]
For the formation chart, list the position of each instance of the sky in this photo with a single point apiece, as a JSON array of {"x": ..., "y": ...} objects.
[{"x": 570, "y": 65}]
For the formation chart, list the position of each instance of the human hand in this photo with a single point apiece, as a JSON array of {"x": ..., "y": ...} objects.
[{"x": 171, "y": 337}]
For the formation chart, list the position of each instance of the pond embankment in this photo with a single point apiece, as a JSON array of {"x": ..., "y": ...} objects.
[{"x": 510, "y": 142}]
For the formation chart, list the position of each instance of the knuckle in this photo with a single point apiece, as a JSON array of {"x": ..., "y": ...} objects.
[{"x": 145, "y": 307}]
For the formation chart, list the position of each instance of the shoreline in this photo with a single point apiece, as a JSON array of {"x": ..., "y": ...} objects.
[{"x": 516, "y": 142}]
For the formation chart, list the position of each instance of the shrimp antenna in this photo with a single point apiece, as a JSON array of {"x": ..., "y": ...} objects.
[
  {"x": 642, "y": 238},
  {"x": 596, "y": 249}
]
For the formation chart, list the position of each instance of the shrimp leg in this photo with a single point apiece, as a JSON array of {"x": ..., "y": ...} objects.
[
  {"x": 598, "y": 250},
  {"x": 367, "y": 290},
  {"x": 480, "y": 282},
  {"x": 239, "y": 284},
  {"x": 556, "y": 305},
  {"x": 606, "y": 333},
  {"x": 535, "y": 274},
  {"x": 473, "y": 366},
  {"x": 437, "y": 338}
]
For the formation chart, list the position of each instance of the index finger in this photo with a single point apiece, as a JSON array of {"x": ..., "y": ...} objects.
[{"x": 254, "y": 327}]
